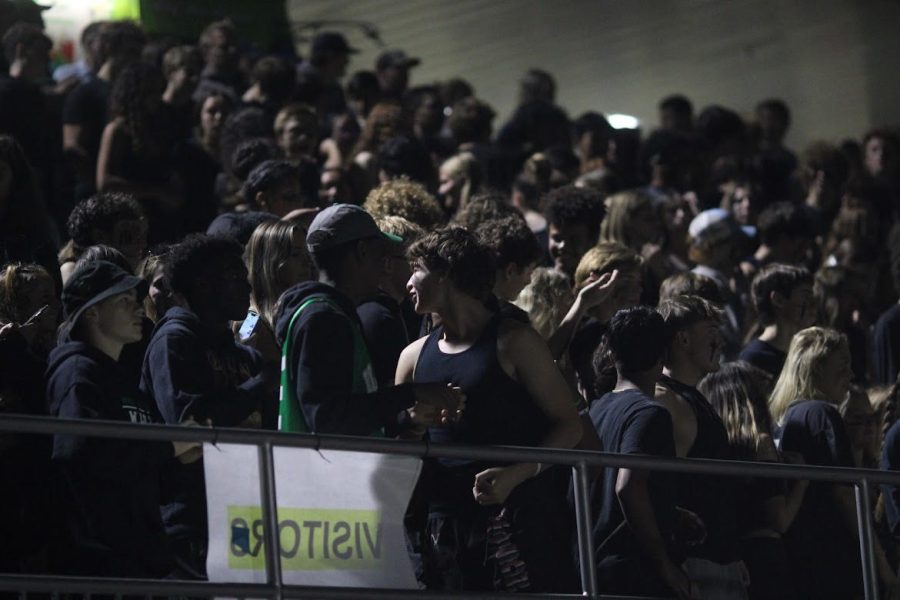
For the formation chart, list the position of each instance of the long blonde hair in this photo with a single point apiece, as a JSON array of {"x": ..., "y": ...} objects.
[
  {"x": 806, "y": 356},
  {"x": 620, "y": 211},
  {"x": 267, "y": 251}
]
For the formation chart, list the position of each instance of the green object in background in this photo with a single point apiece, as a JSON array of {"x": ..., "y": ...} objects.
[
  {"x": 260, "y": 22},
  {"x": 126, "y": 9}
]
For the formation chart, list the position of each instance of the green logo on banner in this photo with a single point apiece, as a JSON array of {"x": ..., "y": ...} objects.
[{"x": 312, "y": 539}]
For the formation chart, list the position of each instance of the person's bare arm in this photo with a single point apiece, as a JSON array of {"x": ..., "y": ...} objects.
[
  {"x": 593, "y": 294},
  {"x": 525, "y": 356},
  {"x": 781, "y": 510}
]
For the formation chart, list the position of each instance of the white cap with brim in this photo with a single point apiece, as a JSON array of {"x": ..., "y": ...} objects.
[{"x": 715, "y": 225}]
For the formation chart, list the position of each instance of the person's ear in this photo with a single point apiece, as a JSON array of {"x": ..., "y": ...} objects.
[
  {"x": 682, "y": 338},
  {"x": 91, "y": 315},
  {"x": 510, "y": 271},
  {"x": 261, "y": 201},
  {"x": 777, "y": 299}
]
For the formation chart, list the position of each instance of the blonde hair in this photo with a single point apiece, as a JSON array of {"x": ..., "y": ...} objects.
[
  {"x": 546, "y": 300},
  {"x": 404, "y": 198},
  {"x": 808, "y": 352},
  {"x": 403, "y": 228},
  {"x": 465, "y": 167},
  {"x": 620, "y": 211},
  {"x": 605, "y": 257},
  {"x": 147, "y": 271},
  {"x": 269, "y": 248}
]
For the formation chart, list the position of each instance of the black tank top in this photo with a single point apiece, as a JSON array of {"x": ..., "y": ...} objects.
[{"x": 499, "y": 410}]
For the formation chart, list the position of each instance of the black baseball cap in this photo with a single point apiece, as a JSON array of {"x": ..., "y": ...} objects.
[
  {"x": 331, "y": 42},
  {"x": 239, "y": 226},
  {"x": 93, "y": 283},
  {"x": 340, "y": 224},
  {"x": 395, "y": 58}
]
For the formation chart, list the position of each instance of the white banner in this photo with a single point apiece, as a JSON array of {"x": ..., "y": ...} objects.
[{"x": 340, "y": 516}]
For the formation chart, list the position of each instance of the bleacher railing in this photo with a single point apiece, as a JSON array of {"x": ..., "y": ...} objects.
[{"x": 579, "y": 461}]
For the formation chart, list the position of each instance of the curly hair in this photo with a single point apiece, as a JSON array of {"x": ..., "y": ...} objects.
[
  {"x": 194, "y": 260},
  {"x": 511, "y": 241},
  {"x": 128, "y": 100},
  {"x": 570, "y": 205},
  {"x": 485, "y": 207},
  {"x": 458, "y": 255},
  {"x": 101, "y": 212},
  {"x": 404, "y": 198}
]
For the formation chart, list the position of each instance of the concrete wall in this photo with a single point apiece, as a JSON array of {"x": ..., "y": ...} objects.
[{"x": 836, "y": 62}]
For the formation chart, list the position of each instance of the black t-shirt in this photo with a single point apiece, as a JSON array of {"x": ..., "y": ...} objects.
[
  {"x": 629, "y": 422},
  {"x": 763, "y": 355},
  {"x": 87, "y": 106},
  {"x": 887, "y": 346},
  {"x": 825, "y": 549},
  {"x": 386, "y": 336}
]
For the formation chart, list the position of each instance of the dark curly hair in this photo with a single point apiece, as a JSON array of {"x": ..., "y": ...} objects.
[
  {"x": 511, "y": 241},
  {"x": 101, "y": 211},
  {"x": 192, "y": 262},
  {"x": 457, "y": 254},
  {"x": 485, "y": 207},
  {"x": 128, "y": 100},
  {"x": 570, "y": 205}
]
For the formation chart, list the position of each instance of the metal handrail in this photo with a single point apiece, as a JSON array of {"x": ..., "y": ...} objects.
[{"x": 579, "y": 460}]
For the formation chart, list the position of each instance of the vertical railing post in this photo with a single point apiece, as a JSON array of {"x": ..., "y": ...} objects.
[
  {"x": 270, "y": 518},
  {"x": 586, "y": 559},
  {"x": 866, "y": 544}
]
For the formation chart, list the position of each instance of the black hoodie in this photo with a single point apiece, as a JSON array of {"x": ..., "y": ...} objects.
[
  {"x": 322, "y": 360},
  {"x": 191, "y": 370},
  {"x": 112, "y": 485}
]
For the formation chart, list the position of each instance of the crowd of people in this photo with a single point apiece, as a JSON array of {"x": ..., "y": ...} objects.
[{"x": 196, "y": 234}]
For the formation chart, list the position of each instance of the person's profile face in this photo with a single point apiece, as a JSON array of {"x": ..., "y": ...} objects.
[
  {"x": 800, "y": 306},
  {"x": 298, "y": 265},
  {"x": 832, "y": 378},
  {"x": 212, "y": 114},
  {"x": 567, "y": 244},
  {"x": 874, "y": 156},
  {"x": 423, "y": 288},
  {"x": 394, "y": 79},
  {"x": 299, "y": 138},
  {"x": 705, "y": 345},
  {"x": 120, "y": 318},
  {"x": 232, "y": 293}
]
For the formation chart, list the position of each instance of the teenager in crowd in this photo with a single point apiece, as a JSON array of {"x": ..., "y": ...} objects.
[
  {"x": 713, "y": 565},
  {"x": 193, "y": 369},
  {"x": 814, "y": 381},
  {"x": 546, "y": 299},
  {"x": 784, "y": 303},
  {"x": 111, "y": 219},
  {"x": 515, "y": 395},
  {"x": 297, "y": 132},
  {"x": 111, "y": 485},
  {"x": 407, "y": 199},
  {"x": 574, "y": 216},
  {"x": 328, "y": 383},
  {"x": 516, "y": 254},
  {"x": 608, "y": 279},
  {"x": 283, "y": 188},
  {"x": 634, "y": 511},
  {"x": 766, "y": 508},
  {"x": 276, "y": 259},
  {"x": 460, "y": 179},
  {"x": 388, "y": 319}
]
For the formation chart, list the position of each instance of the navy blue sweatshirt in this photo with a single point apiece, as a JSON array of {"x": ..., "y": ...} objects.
[
  {"x": 191, "y": 370},
  {"x": 112, "y": 486},
  {"x": 322, "y": 361}
]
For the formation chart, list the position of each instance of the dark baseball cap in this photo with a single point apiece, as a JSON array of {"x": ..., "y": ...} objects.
[
  {"x": 239, "y": 226},
  {"x": 395, "y": 58},
  {"x": 93, "y": 283},
  {"x": 341, "y": 224},
  {"x": 331, "y": 42}
]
